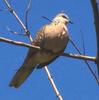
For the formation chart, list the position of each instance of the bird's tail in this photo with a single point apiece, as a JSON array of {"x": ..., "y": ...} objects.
[
  {"x": 20, "y": 76},
  {"x": 23, "y": 72}
]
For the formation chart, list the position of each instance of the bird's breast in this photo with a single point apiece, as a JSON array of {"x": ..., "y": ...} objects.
[{"x": 56, "y": 38}]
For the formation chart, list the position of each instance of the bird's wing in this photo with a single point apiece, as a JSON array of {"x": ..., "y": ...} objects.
[
  {"x": 53, "y": 40},
  {"x": 28, "y": 65}
]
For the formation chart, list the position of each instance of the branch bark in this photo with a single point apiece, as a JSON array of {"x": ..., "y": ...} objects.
[
  {"x": 18, "y": 43},
  {"x": 75, "y": 56},
  {"x": 96, "y": 22},
  {"x": 53, "y": 83},
  {"x": 80, "y": 57}
]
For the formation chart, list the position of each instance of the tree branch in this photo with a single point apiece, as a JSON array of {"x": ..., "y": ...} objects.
[
  {"x": 80, "y": 57},
  {"x": 27, "y": 12},
  {"x": 53, "y": 84},
  {"x": 12, "y": 11},
  {"x": 96, "y": 22},
  {"x": 88, "y": 65},
  {"x": 2, "y": 39},
  {"x": 75, "y": 56}
]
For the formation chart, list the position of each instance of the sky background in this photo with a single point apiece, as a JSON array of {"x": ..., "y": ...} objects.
[{"x": 72, "y": 77}]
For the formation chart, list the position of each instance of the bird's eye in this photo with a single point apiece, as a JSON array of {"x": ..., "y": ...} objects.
[{"x": 64, "y": 16}]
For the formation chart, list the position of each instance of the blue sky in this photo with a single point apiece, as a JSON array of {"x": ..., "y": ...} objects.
[{"x": 72, "y": 77}]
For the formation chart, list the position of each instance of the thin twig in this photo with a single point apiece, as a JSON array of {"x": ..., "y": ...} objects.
[
  {"x": 83, "y": 43},
  {"x": 15, "y": 14},
  {"x": 80, "y": 57},
  {"x": 89, "y": 67},
  {"x": 53, "y": 84},
  {"x": 27, "y": 12},
  {"x": 47, "y": 18},
  {"x": 18, "y": 19},
  {"x": 19, "y": 43},
  {"x": 13, "y": 32}
]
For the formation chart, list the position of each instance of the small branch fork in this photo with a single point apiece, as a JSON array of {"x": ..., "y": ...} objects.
[
  {"x": 18, "y": 19},
  {"x": 25, "y": 28}
]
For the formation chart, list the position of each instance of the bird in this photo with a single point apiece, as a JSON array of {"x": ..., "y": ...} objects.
[{"x": 53, "y": 39}]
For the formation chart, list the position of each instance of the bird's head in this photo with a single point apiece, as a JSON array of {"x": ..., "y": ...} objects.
[{"x": 61, "y": 18}]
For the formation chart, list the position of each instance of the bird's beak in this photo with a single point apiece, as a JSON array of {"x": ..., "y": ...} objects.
[{"x": 71, "y": 22}]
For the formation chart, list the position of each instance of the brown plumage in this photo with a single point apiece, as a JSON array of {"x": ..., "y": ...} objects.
[{"x": 53, "y": 37}]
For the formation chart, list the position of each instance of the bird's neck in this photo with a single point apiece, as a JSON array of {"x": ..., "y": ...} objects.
[{"x": 57, "y": 23}]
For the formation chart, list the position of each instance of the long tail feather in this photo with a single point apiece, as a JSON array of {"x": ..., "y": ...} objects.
[
  {"x": 26, "y": 69},
  {"x": 20, "y": 76}
]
